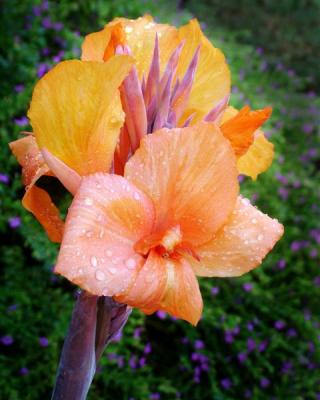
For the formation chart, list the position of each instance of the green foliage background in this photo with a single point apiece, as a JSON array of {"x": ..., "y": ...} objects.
[{"x": 275, "y": 321}]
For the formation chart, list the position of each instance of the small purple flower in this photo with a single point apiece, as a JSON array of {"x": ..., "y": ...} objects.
[
  {"x": 241, "y": 178},
  {"x": 57, "y": 26},
  {"x": 155, "y": 396},
  {"x": 137, "y": 332},
  {"x": 264, "y": 382},
  {"x": 147, "y": 348},
  {"x": 282, "y": 264},
  {"x": 7, "y": 340},
  {"x": 14, "y": 222},
  {"x": 248, "y": 394},
  {"x": 24, "y": 371},
  {"x": 228, "y": 337},
  {"x": 19, "y": 88},
  {"x": 46, "y": 23},
  {"x": 215, "y": 290},
  {"x": 161, "y": 314},
  {"x": 295, "y": 246},
  {"x": 316, "y": 281},
  {"x": 133, "y": 362},
  {"x": 242, "y": 357},
  {"x": 42, "y": 69},
  {"x": 21, "y": 121},
  {"x": 279, "y": 325},
  {"x": 259, "y": 51},
  {"x": 251, "y": 344},
  {"x": 283, "y": 193},
  {"x": 12, "y": 308},
  {"x": 198, "y": 344},
  {"x": 292, "y": 333},
  {"x": 247, "y": 287},
  {"x": 250, "y": 326},
  {"x": 286, "y": 367},
  {"x": 4, "y": 178},
  {"x": 226, "y": 383},
  {"x": 142, "y": 362},
  {"x": 262, "y": 346},
  {"x": 43, "y": 341}
]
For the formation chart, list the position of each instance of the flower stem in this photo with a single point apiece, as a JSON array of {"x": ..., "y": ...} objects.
[{"x": 95, "y": 322}]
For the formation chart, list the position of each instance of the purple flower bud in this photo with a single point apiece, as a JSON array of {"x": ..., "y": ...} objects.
[
  {"x": 247, "y": 287},
  {"x": 154, "y": 396},
  {"x": 215, "y": 290},
  {"x": 43, "y": 341},
  {"x": 198, "y": 344},
  {"x": 282, "y": 264},
  {"x": 251, "y": 344},
  {"x": 21, "y": 121},
  {"x": 161, "y": 314},
  {"x": 14, "y": 222},
  {"x": 292, "y": 332},
  {"x": 147, "y": 348},
  {"x": 242, "y": 357},
  {"x": 42, "y": 69},
  {"x": 24, "y": 371},
  {"x": 4, "y": 178},
  {"x": 7, "y": 340},
  {"x": 142, "y": 362},
  {"x": 279, "y": 325},
  {"x": 226, "y": 383},
  {"x": 19, "y": 88},
  {"x": 264, "y": 382},
  {"x": 262, "y": 346}
]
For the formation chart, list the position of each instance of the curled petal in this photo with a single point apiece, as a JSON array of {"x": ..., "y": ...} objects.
[
  {"x": 37, "y": 200},
  {"x": 85, "y": 117},
  {"x": 107, "y": 217},
  {"x": 212, "y": 79},
  {"x": 240, "y": 128},
  {"x": 258, "y": 158},
  {"x": 168, "y": 285},
  {"x": 191, "y": 176},
  {"x": 240, "y": 245}
]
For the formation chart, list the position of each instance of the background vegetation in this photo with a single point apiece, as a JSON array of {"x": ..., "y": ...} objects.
[{"x": 259, "y": 336}]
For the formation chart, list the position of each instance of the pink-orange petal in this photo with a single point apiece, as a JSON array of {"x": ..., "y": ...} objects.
[
  {"x": 190, "y": 174},
  {"x": 166, "y": 284},
  {"x": 240, "y": 245},
  {"x": 107, "y": 217}
]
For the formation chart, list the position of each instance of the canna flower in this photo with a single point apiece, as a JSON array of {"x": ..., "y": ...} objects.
[
  {"x": 179, "y": 78},
  {"x": 175, "y": 214},
  {"x": 140, "y": 132}
]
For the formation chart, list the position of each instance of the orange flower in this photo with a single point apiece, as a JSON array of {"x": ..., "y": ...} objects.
[
  {"x": 198, "y": 85},
  {"x": 143, "y": 238}
]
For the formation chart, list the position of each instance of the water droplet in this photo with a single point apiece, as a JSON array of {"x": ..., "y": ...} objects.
[
  {"x": 254, "y": 221},
  {"x": 80, "y": 271},
  {"x": 94, "y": 261},
  {"x": 112, "y": 270},
  {"x": 100, "y": 276},
  {"x": 131, "y": 263},
  {"x": 88, "y": 201},
  {"x": 260, "y": 237}
]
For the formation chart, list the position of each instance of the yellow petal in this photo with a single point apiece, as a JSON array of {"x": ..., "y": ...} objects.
[
  {"x": 258, "y": 158},
  {"x": 212, "y": 78},
  {"x": 76, "y": 112}
]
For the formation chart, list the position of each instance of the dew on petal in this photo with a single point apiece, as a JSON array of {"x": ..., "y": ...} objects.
[
  {"x": 94, "y": 261},
  {"x": 100, "y": 276},
  {"x": 130, "y": 263},
  {"x": 88, "y": 201}
]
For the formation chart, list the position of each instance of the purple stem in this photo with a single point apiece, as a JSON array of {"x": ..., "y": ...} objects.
[{"x": 95, "y": 322}]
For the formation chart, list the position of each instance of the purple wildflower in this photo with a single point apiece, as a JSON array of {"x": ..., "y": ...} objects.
[
  {"x": 24, "y": 371},
  {"x": 264, "y": 382},
  {"x": 155, "y": 396},
  {"x": 4, "y": 178},
  {"x": 247, "y": 287},
  {"x": 7, "y": 340},
  {"x": 242, "y": 357},
  {"x": 19, "y": 88},
  {"x": 161, "y": 314},
  {"x": 215, "y": 290},
  {"x": 43, "y": 341},
  {"x": 147, "y": 348},
  {"x": 198, "y": 344},
  {"x": 21, "y": 121},
  {"x": 42, "y": 69},
  {"x": 279, "y": 325},
  {"x": 226, "y": 383},
  {"x": 14, "y": 222},
  {"x": 251, "y": 344},
  {"x": 282, "y": 264}
]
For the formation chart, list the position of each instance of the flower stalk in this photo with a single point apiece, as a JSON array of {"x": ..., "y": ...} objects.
[{"x": 95, "y": 322}]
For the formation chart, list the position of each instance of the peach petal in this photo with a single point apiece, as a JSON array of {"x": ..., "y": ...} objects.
[
  {"x": 190, "y": 174},
  {"x": 107, "y": 217},
  {"x": 240, "y": 245}
]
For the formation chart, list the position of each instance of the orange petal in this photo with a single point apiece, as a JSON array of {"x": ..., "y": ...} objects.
[
  {"x": 168, "y": 285},
  {"x": 212, "y": 79},
  {"x": 76, "y": 112},
  {"x": 258, "y": 158},
  {"x": 240, "y": 245},
  {"x": 39, "y": 203},
  {"x": 36, "y": 200},
  {"x": 191, "y": 176},
  {"x": 107, "y": 217},
  {"x": 240, "y": 128}
]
